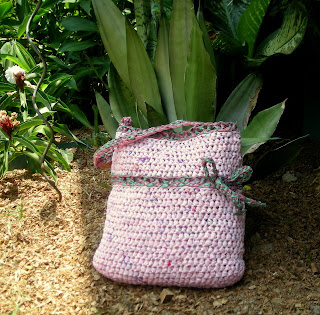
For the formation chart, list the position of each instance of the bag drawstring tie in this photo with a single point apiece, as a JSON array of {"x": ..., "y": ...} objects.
[{"x": 225, "y": 184}]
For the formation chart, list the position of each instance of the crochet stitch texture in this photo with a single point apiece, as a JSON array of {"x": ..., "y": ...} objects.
[{"x": 172, "y": 212}]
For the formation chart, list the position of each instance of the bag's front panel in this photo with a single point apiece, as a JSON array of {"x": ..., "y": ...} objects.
[
  {"x": 160, "y": 157},
  {"x": 184, "y": 236}
]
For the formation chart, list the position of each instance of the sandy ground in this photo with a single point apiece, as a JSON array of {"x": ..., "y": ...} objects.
[{"x": 46, "y": 249}]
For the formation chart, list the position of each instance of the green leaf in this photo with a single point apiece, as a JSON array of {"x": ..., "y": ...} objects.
[
  {"x": 76, "y": 23},
  {"x": 41, "y": 97},
  {"x": 73, "y": 45},
  {"x": 109, "y": 122},
  {"x": 222, "y": 16},
  {"x": 250, "y": 22},
  {"x": 55, "y": 84},
  {"x": 5, "y": 8},
  {"x": 24, "y": 56},
  {"x": 112, "y": 28},
  {"x": 200, "y": 79},
  {"x": 7, "y": 87},
  {"x": 6, "y": 50},
  {"x": 289, "y": 36},
  {"x": 241, "y": 102},
  {"x": 262, "y": 126},
  {"x": 162, "y": 70},
  {"x": 26, "y": 125},
  {"x": 179, "y": 41},
  {"x": 4, "y": 159},
  {"x": 9, "y": 61},
  {"x": 206, "y": 38},
  {"x": 65, "y": 131},
  {"x": 142, "y": 9},
  {"x": 122, "y": 102},
  {"x": 86, "y": 5},
  {"x": 143, "y": 81}
]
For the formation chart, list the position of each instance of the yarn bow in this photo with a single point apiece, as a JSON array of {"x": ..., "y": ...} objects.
[{"x": 226, "y": 184}]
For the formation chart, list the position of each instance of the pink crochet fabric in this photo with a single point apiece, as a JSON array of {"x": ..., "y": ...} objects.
[{"x": 172, "y": 212}]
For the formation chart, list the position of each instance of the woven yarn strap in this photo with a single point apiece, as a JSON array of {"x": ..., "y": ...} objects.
[
  {"x": 104, "y": 153},
  {"x": 223, "y": 184}
]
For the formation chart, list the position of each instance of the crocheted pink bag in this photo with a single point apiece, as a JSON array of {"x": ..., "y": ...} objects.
[{"x": 175, "y": 211}]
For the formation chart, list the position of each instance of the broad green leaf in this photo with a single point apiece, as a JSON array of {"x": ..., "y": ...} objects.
[
  {"x": 76, "y": 23},
  {"x": 41, "y": 97},
  {"x": 55, "y": 84},
  {"x": 9, "y": 101},
  {"x": 200, "y": 79},
  {"x": 162, "y": 70},
  {"x": 222, "y": 16},
  {"x": 6, "y": 50},
  {"x": 250, "y": 22},
  {"x": 26, "y": 143},
  {"x": 73, "y": 45},
  {"x": 179, "y": 43},
  {"x": 9, "y": 61},
  {"x": 6, "y": 87},
  {"x": 122, "y": 102},
  {"x": 241, "y": 102},
  {"x": 109, "y": 122},
  {"x": 65, "y": 131},
  {"x": 262, "y": 126},
  {"x": 143, "y": 81},
  {"x": 227, "y": 44},
  {"x": 86, "y": 5},
  {"x": 5, "y": 8},
  {"x": 22, "y": 27},
  {"x": 34, "y": 163},
  {"x": 53, "y": 153},
  {"x": 26, "y": 125},
  {"x": 24, "y": 56},
  {"x": 289, "y": 36},
  {"x": 142, "y": 10},
  {"x": 78, "y": 114},
  {"x": 112, "y": 28}
]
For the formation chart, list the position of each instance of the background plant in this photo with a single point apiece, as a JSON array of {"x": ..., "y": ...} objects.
[{"x": 180, "y": 82}]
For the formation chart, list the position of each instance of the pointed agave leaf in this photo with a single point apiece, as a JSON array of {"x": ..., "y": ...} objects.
[
  {"x": 206, "y": 38},
  {"x": 262, "y": 126},
  {"x": 289, "y": 36},
  {"x": 142, "y": 9},
  {"x": 200, "y": 79},
  {"x": 109, "y": 123},
  {"x": 250, "y": 22},
  {"x": 143, "y": 80},
  {"x": 122, "y": 102},
  {"x": 241, "y": 102},
  {"x": 112, "y": 28},
  {"x": 179, "y": 39},
  {"x": 162, "y": 69}
]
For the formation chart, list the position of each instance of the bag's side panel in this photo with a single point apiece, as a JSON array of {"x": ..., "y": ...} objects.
[{"x": 183, "y": 236}]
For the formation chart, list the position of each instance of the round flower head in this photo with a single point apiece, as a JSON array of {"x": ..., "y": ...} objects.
[{"x": 11, "y": 73}]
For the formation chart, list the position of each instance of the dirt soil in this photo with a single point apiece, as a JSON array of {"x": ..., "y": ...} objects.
[{"x": 46, "y": 248}]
